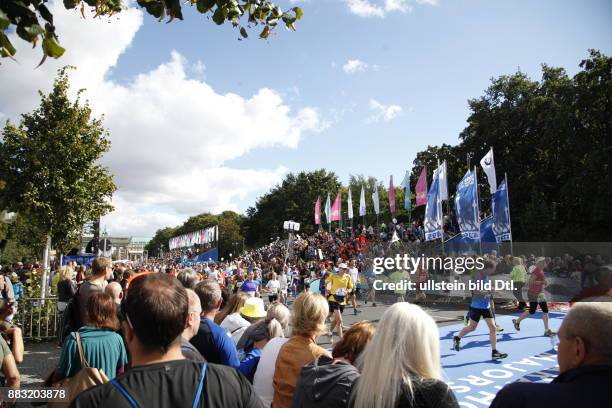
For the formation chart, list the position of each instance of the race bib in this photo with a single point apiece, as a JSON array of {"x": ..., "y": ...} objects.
[{"x": 341, "y": 292}]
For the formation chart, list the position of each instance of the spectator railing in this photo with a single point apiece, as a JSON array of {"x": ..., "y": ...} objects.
[{"x": 38, "y": 318}]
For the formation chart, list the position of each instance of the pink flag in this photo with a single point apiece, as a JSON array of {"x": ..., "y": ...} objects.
[
  {"x": 318, "y": 211},
  {"x": 335, "y": 209},
  {"x": 421, "y": 188},
  {"x": 391, "y": 196}
]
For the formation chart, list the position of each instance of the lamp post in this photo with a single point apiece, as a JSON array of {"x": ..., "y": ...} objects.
[{"x": 291, "y": 227}]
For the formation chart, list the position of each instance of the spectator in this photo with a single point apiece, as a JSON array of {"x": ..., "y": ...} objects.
[
  {"x": 10, "y": 377},
  {"x": 11, "y": 333},
  {"x": 328, "y": 381},
  {"x": 188, "y": 277},
  {"x": 115, "y": 291},
  {"x": 211, "y": 340},
  {"x": 406, "y": 348},
  {"x": 66, "y": 287},
  {"x": 585, "y": 365},
  {"x": 263, "y": 331},
  {"x": 101, "y": 271},
  {"x": 235, "y": 323},
  {"x": 276, "y": 311},
  {"x": 308, "y": 321},
  {"x": 603, "y": 277},
  {"x": 155, "y": 312},
  {"x": 102, "y": 347},
  {"x": 192, "y": 327},
  {"x": 519, "y": 278}
]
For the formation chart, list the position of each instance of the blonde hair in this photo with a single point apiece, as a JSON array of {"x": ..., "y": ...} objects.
[
  {"x": 405, "y": 344},
  {"x": 309, "y": 313},
  {"x": 280, "y": 313},
  {"x": 517, "y": 261},
  {"x": 66, "y": 272},
  {"x": 233, "y": 306}
]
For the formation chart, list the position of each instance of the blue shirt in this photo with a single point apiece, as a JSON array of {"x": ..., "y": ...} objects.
[
  {"x": 215, "y": 345},
  {"x": 249, "y": 363},
  {"x": 481, "y": 300}
]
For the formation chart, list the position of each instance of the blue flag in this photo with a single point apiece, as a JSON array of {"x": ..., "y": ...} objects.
[
  {"x": 433, "y": 212},
  {"x": 501, "y": 214},
  {"x": 466, "y": 207}
]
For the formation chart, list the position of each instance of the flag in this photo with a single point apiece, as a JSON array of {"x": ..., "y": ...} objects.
[
  {"x": 391, "y": 195},
  {"x": 350, "y": 205},
  {"x": 466, "y": 206},
  {"x": 335, "y": 208},
  {"x": 362, "y": 203},
  {"x": 328, "y": 209},
  {"x": 421, "y": 188},
  {"x": 501, "y": 214},
  {"x": 443, "y": 180},
  {"x": 375, "y": 200},
  {"x": 318, "y": 211},
  {"x": 433, "y": 212},
  {"x": 488, "y": 165},
  {"x": 406, "y": 185}
]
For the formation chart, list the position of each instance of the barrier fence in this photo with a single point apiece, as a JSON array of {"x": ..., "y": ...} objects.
[{"x": 38, "y": 318}]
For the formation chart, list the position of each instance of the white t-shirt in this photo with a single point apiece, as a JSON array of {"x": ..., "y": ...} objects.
[
  {"x": 354, "y": 272},
  {"x": 283, "y": 282},
  {"x": 235, "y": 326},
  {"x": 273, "y": 286},
  {"x": 262, "y": 381}
]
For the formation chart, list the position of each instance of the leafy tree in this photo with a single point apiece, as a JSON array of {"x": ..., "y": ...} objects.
[
  {"x": 294, "y": 200},
  {"x": 160, "y": 240},
  {"x": 33, "y": 22},
  {"x": 554, "y": 139},
  {"x": 49, "y": 166},
  {"x": 25, "y": 241}
]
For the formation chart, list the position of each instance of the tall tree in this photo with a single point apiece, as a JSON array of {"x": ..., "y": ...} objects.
[
  {"x": 49, "y": 166},
  {"x": 293, "y": 200}
]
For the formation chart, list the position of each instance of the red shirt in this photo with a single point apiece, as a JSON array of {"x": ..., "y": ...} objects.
[{"x": 536, "y": 282}]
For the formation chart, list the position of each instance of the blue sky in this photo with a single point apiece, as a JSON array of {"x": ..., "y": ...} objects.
[{"x": 420, "y": 67}]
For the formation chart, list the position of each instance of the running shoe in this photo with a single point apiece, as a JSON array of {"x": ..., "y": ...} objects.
[
  {"x": 549, "y": 333},
  {"x": 456, "y": 343},
  {"x": 497, "y": 355},
  {"x": 499, "y": 328},
  {"x": 517, "y": 324}
]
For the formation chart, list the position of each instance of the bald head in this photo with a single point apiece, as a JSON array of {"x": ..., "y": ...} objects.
[
  {"x": 193, "y": 319},
  {"x": 585, "y": 336},
  {"x": 114, "y": 289}
]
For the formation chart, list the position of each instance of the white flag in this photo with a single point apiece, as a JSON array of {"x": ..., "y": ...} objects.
[
  {"x": 375, "y": 200},
  {"x": 350, "y": 205},
  {"x": 488, "y": 165},
  {"x": 441, "y": 173},
  {"x": 362, "y": 203}
]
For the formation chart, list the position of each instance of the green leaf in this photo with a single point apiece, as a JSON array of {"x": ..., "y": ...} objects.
[
  {"x": 52, "y": 48},
  {"x": 243, "y": 32},
  {"x": 45, "y": 13},
  {"x": 265, "y": 32},
  {"x": 70, "y": 4},
  {"x": 4, "y": 20},
  {"x": 299, "y": 13},
  {"x": 204, "y": 6},
  {"x": 219, "y": 16},
  {"x": 6, "y": 48},
  {"x": 35, "y": 30}
]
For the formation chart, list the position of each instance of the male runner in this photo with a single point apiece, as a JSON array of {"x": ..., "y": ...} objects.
[{"x": 481, "y": 307}]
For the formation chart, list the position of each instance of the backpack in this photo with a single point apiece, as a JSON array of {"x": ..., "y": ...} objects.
[{"x": 86, "y": 378}]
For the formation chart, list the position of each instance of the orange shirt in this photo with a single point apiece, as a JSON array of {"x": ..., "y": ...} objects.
[{"x": 293, "y": 355}]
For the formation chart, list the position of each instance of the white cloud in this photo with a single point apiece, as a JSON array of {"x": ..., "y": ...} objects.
[
  {"x": 379, "y": 8},
  {"x": 383, "y": 112},
  {"x": 172, "y": 134},
  {"x": 353, "y": 66}
]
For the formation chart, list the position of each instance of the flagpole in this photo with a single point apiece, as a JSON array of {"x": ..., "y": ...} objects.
[
  {"x": 439, "y": 204},
  {"x": 509, "y": 221},
  {"x": 478, "y": 210}
]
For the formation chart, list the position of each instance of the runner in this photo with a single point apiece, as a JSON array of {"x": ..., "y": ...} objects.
[
  {"x": 536, "y": 297},
  {"x": 354, "y": 274},
  {"x": 273, "y": 287},
  {"x": 480, "y": 307},
  {"x": 338, "y": 286}
]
